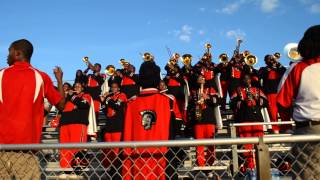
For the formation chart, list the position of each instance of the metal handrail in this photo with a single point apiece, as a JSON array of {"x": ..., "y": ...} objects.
[
  {"x": 262, "y": 123},
  {"x": 172, "y": 143}
]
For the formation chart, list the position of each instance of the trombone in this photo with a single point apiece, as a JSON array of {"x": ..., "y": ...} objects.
[{"x": 208, "y": 46}]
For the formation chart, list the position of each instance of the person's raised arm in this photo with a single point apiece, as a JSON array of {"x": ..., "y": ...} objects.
[{"x": 58, "y": 75}]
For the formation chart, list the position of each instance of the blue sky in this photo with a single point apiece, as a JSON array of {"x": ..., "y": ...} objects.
[{"x": 63, "y": 31}]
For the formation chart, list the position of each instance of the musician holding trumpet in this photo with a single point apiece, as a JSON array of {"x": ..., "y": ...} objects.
[
  {"x": 113, "y": 105},
  {"x": 74, "y": 124},
  {"x": 94, "y": 83},
  {"x": 129, "y": 84},
  {"x": 204, "y": 98},
  {"x": 246, "y": 103},
  {"x": 270, "y": 77}
]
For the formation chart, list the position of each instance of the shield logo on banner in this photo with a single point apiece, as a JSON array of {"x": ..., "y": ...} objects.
[{"x": 148, "y": 119}]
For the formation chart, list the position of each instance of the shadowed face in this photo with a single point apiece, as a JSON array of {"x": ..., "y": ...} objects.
[{"x": 78, "y": 88}]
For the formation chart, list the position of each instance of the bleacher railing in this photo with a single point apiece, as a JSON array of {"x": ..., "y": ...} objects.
[{"x": 176, "y": 159}]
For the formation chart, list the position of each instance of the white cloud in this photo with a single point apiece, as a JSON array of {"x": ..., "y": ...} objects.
[
  {"x": 315, "y": 8},
  {"x": 269, "y": 5},
  {"x": 235, "y": 34},
  {"x": 230, "y": 8},
  {"x": 202, "y": 9},
  {"x": 201, "y": 32},
  {"x": 184, "y": 34}
]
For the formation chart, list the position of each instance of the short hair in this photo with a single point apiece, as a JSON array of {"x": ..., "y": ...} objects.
[
  {"x": 24, "y": 46},
  {"x": 97, "y": 64},
  {"x": 309, "y": 45}
]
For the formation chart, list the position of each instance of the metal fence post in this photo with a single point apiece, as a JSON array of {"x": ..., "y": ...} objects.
[
  {"x": 262, "y": 160},
  {"x": 234, "y": 150}
]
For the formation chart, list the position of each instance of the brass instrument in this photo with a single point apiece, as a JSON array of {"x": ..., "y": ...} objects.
[
  {"x": 237, "y": 50},
  {"x": 147, "y": 57},
  {"x": 291, "y": 50},
  {"x": 277, "y": 55},
  {"x": 208, "y": 46},
  {"x": 186, "y": 59},
  {"x": 124, "y": 63},
  {"x": 86, "y": 60},
  {"x": 223, "y": 58},
  {"x": 199, "y": 103},
  {"x": 251, "y": 60},
  {"x": 110, "y": 71},
  {"x": 246, "y": 53},
  {"x": 88, "y": 63}
]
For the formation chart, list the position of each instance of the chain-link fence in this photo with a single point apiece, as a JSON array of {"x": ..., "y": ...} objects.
[{"x": 285, "y": 157}]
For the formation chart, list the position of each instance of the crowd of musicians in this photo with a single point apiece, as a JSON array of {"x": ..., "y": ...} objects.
[
  {"x": 145, "y": 106},
  {"x": 186, "y": 102}
]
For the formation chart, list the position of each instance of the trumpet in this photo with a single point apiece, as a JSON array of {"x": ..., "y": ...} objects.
[
  {"x": 291, "y": 50},
  {"x": 147, "y": 57},
  {"x": 186, "y": 59},
  {"x": 86, "y": 60},
  {"x": 223, "y": 58},
  {"x": 251, "y": 60},
  {"x": 124, "y": 63},
  {"x": 199, "y": 103},
  {"x": 277, "y": 55},
  {"x": 172, "y": 64},
  {"x": 88, "y": 63},
  {"x": 246, "y": 53},
  {"x": 110, "y": 71}
]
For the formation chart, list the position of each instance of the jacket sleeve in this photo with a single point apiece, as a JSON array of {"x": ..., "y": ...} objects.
[{"x": 80, "y": 102}]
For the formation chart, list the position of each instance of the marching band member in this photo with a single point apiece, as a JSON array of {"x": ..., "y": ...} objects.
[
  {"x": 129, "y": 83},
  {"x": 234, "y": 72},
  {"x": 93, "y": 86},
  {"x": 148, "y": 117},
  {"x": 270, "y": 76},
  {"x": 208, "y": 70},
  {"x": 246, "y": 103},
  {"x": 162, "y": 87},
  {"x": 203, "y": 101},
  {"x": 80, "y": 77},
  {"x": 175, "y": 81},
  {"x": 224, "y": 81},
  {"x": 114, "y": 108},
  {"x": 74, "y": 124},
  {"x": 190, "y": 77}
]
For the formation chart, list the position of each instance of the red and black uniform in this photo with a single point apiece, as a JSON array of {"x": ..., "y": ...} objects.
[
  {"x": 148, "y": 117},
  {"x": 113, "y": 78},
  {"x": 254, "y": 75},
  {"x": 175, "y": 83},
  {"x": 271, "y": 76},
  {"x": 204, "y": 127},
  {"x": 129, "y": 84},
  {"x": 73, "y": 125},
  {"x": 114, "y": 108},
  {"x": 191, "y": 77},
  {"x": 209, "y": 71},
  {"x": 234, "y": 73},
  {"x": 246, "y": 103},
  {"x": 224, "y": 81},
  {"x": 95, "y": 81}
]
